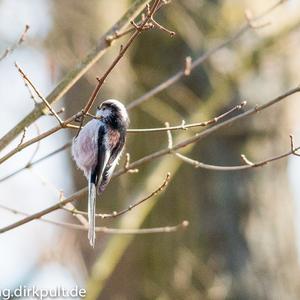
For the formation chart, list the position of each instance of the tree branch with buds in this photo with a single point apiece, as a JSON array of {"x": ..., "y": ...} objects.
[{"x": 10, "y": 50}]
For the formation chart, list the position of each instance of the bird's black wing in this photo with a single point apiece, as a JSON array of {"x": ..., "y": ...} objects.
[{"x": 102, "y": 157}]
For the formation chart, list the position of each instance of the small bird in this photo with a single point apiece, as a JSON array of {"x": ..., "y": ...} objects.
[{"x": 97, "y": 150}]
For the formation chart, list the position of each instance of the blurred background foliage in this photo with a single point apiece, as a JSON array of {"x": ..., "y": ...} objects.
[{"x": 242, "y": 239}]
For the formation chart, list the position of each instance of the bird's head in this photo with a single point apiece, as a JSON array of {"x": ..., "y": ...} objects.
[{"x": 113, "y": 112}]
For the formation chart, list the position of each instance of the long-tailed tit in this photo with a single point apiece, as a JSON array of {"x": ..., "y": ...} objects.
[{"x": 97, "y": 150}]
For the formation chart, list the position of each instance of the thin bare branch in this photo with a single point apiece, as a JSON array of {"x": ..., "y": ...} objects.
[
  {"x": 71, "y": 207},
  {"x": 25, "y": 77},
  {"x": 115, "y": 214},
  {"x": 32, "y": 97},
  {"x": 62, "y": 110},
  {"x": 117, "y": 34},
  {"x": 107, "y": 230},
  {"x": 10, "y": 50},
  {"x": 29, "y": 142},
  {"x": 32, "y": 163},
  {"x": 22, "y": 137},
  {"x": 246, "y": 160},
  {"x": 160, "y": 27},
  {"x": 248, "y": 165},
  {"x": 252, "y": 24},
  {"x": 184, "y": 126},
  {"x": 165, "y": 229}
]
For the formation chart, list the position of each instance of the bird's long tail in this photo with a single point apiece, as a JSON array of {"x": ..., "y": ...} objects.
[{"x": 91, "y": 210}]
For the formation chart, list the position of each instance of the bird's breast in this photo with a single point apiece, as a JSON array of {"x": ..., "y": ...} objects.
[{"x": 85, "y": 147}]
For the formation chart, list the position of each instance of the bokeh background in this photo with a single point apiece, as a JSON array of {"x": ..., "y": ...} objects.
[{"x": 243, "y": 238}]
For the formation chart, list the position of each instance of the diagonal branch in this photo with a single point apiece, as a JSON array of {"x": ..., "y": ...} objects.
[
  {"x": 184, "y": 126},
  {"x": 32, "y": 163},
  {"x": 26, "y": 79},
  {"x": 248, "y": 164}
]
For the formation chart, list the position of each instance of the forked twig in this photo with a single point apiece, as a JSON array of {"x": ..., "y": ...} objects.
[
  {"x": 127, "y": 164},
  {"x": 246, "y": 160},
  {"x": 248, "y": 164},
  {"x": 22, "y": 137},
  {"x": 70, "y": 207},
  {"x": 293, "y": 148},
  {"x": 184, "y": 126},
  {"x": 250, "y": 19}
]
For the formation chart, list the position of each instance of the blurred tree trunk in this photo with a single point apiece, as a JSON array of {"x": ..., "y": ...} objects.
[{"x": 248, "y": 216}]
